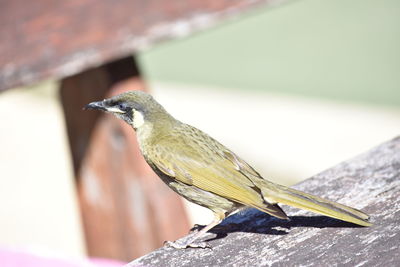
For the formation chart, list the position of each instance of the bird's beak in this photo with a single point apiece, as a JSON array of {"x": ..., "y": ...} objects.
[
  {"x": 96, "y": 105},
  {"x": 101, "y": 105}
]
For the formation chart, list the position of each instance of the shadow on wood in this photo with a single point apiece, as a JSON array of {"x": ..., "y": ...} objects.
[{"x": 274, "y": 226}]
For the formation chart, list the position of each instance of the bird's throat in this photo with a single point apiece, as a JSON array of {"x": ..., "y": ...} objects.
[{"x": 138, "y": 119}]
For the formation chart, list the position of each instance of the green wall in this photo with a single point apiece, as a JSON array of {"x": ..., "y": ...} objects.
[{"x": 338, "y": 49}]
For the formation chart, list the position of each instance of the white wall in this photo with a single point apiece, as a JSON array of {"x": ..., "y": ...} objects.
[{"x": 38, "y": 208}]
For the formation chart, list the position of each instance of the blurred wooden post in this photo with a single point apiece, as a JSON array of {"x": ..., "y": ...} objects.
[{"x": 126, "y": 209}]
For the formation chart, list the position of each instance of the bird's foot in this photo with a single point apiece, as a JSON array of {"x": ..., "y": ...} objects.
[
  {"x": 186, "y": 244},
  {"x": 196, "y": 228}
]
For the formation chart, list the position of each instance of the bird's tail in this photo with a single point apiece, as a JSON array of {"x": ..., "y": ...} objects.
[{"x": 274, "y": 193}]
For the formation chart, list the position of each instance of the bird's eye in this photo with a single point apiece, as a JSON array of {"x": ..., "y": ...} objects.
[{"x": 122, "y": 106}]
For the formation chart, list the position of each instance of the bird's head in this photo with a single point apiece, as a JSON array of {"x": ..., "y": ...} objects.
[{"x": 134, "y": 107}]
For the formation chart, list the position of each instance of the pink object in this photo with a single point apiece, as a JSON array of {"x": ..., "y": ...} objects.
[{"x": 15, "y": 258}]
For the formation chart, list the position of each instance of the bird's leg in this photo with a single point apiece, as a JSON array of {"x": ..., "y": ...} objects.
[{"x": 190, "y": 242}]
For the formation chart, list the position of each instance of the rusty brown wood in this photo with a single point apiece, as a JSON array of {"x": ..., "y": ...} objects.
[
  {"x": 126, "y": 210},
  {"x": 46, "y": 39}
]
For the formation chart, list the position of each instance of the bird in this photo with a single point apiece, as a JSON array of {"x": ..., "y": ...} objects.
[{"x": 205, "y": 172}]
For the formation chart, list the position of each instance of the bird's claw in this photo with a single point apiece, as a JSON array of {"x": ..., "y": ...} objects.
[
  {"x": 196, "y": 228},
  {"x": 184, "y": 245}
]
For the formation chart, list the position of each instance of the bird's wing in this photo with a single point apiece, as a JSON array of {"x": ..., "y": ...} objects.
[
  {"x": 241, "y": 166},
  {"x": 223, "y": 173}
]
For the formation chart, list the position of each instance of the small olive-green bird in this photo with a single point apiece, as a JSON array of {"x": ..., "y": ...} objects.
[{"x": 205, "y": 172}]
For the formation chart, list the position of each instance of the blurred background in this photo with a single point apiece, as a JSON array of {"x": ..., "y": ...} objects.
[{"x": 293, "y": 89}]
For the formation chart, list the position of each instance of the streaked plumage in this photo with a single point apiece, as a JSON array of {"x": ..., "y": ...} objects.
[{"x": 204, "y": 171}]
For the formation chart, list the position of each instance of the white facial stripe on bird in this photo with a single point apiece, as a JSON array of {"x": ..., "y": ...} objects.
[
  {"x": 138, "y": 119},
  {"x": 115, "y": 110}
]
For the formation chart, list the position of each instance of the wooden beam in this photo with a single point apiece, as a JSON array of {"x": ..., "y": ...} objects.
[{"x": 56, "y": 39}]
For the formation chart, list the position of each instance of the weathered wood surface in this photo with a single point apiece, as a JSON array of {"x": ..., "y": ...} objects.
[
  {"x": 54, "y": 39},
  {"x": 370, "y": 182}
]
